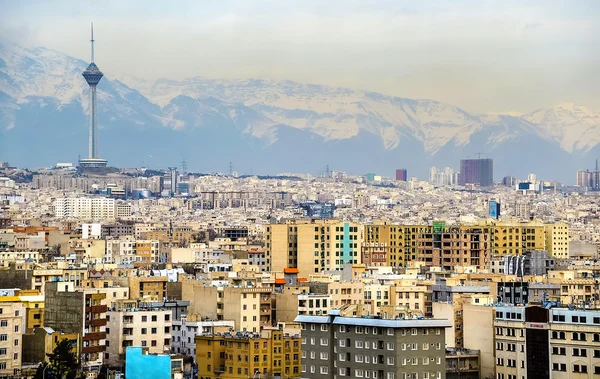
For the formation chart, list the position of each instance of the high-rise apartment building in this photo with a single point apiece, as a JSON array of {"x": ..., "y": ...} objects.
[
  {"x": 336, "y": 346},
  {"x": 401, "y": 175},
  {"x": 397, "y": 242},
  {"x": 476, "y": 171},
  {"x": 516, "y": 238},
  {"x": 312, "y": 246},
  {"x": 557, "y": 240},
  {"x": 455, "y": 246},
  {"x": 90, "y": 208}
]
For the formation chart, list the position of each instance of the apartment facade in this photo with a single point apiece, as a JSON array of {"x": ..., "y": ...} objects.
[
  {"x": 131, "y": 326},
  {"x": 78, "y": 311},
  {"x": 538, "y": 342},
  {"x": 245, "y": 355},
  {"x": 12, "y": 327},
  {"x": 312, "y": 246},
  {"x": 336, "y": 346}
]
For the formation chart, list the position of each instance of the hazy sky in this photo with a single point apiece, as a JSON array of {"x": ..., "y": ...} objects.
[{"x": 484, "y": 56}]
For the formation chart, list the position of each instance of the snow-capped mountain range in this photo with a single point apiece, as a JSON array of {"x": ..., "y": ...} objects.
[{"x": 273, "y": 126}]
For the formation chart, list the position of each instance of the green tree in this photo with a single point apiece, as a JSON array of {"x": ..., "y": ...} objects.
[{"x": 62, "y": 363}]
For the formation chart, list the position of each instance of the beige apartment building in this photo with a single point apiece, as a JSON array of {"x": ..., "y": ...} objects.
[
  {"x": 12, "y": 327},
  {"x": 248, "y": 307},
  {"x": 129, "y": 326},
  {"x": 345, "y": 293},
  {"x": 151, "y": 288}
]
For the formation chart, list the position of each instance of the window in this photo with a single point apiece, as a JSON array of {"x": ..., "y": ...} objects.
[
  {"x": 144, "y": 331},
  {"x": 3, "y": 337},
  {"x": 390, "y": 346},
  {"x": 3, "y": 323},
  {"x": 3, "y": 351},
  {"x": 323, "y": 328},
  {"x": 324, "y": 341},
  {"x": 580, "y": 368},
  {"x": 153, "y": 330},
  {"x": 154, "y": 318},
  {"x": 579, "y": 352},
  {"x": 390, "y": 361},
  {"x": 390, "y": 332},
  {"x": 358, "y": 373},
  {"x": 144, "y": 318},
  {"x": 324, "y": 356},
  {"x": 323, "y": 370}
]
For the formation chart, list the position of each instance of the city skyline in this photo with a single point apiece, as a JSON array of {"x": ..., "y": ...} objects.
[{"x": 506, "y": 52}]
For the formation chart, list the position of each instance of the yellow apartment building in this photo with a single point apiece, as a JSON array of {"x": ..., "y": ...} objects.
[
  {"x": 246, "y": 355},
  {"x": 399, "y": 241},
  {"x": 312, "y": 246},
  {"x": 557, "y": 240},
  {"x": 516, "y": 238}
]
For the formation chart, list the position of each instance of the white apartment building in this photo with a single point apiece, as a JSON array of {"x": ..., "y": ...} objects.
[
  {"x": 91, "y": 230},
  {"x": 186, "y": 330},
  {"x": 128, "y": 250},
  {"x": 90, "y": 208},
  {"x": 134, "y": 327}
]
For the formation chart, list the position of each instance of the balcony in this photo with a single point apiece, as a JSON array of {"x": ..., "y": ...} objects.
[
  {"x": 96, "y": 309},
  {"x": 96, "y": 322},
  {"x": 93, "y": 349},
  {"x": 94, "y": 336}
]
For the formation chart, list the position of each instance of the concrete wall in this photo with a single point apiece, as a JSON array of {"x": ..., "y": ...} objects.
[
  {"x": 63, "y": 311},
  {"x": 13, "y": 278},
  {"x": 478, "y": 334},
  {"x": 445, "y": 310}
]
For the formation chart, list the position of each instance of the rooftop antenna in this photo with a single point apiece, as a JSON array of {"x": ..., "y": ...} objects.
[
  {"x": 184, "y": 166},
  {"x": 92, "y": 40}
]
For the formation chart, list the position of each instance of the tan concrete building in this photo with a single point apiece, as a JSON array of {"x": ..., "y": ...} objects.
[
  {"x": 151, "y": 288},
  {"x": 345, "y": 293},
  {"x": 12, "y": 327},
  {"x": 130, "y": 326},
  {"x": 249, "y": 307}
]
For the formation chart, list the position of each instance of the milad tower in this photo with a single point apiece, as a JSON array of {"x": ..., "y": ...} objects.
[{"x": 92, "y": 75}]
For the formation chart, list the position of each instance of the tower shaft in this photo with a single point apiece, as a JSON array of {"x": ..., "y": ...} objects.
[{"x": 93, "y": 143}]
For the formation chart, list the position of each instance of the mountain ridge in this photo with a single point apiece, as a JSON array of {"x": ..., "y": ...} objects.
[{"x": 263, "y": 113}]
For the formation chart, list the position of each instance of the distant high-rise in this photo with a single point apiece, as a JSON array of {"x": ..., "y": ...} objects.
[
  {"x": 401, "y": 174},
  {"x": 476, "y": 171},
  {"x": 92, "y": 75}
]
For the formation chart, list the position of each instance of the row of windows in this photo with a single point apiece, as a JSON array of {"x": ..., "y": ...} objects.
[
  {"x": 575, "y": 319},
  {"x": 576, "y": 368}
]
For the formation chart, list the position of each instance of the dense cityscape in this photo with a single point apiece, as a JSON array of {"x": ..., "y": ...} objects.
[{"x": 134, "y": 272}]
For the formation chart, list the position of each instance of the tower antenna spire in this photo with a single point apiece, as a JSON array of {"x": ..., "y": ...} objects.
[{"x": 92, "y": 40}]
